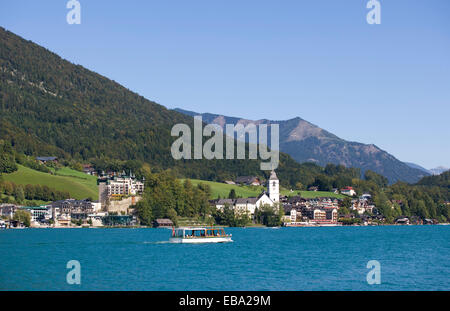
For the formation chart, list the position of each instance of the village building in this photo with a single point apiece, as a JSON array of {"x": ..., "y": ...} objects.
[
  {"x": 296, "y": 200},
  {"x": 310, "y": 214},
  {"x": 14, "y": 224},
  {"x": 311, "y": 210},
  {"x": 402, "y": 221},
  {"x": 428, "y": 221},
  {"x": 249, "y": 205},
  {"x": 362, "y": 206},
  {"x": 63, "y": 221},
  {"x": 8, "y": 210},
  {"x": 273, "y": 188},
  {"x": 119, "y": 220},
  {"x": 119, "y": 186},
  {"x": 221, "y": 203},
  {"x": 116, "y": 187},
  {"x": 248, "y": 180},
  {"x": 320, "y": 215},
  {"x": 244, "y": 205},
  {"x": 96, "y": 218},
  {"x": 284, "y": 199},
  {"x": 65, "y": 210},
  {"x": 124, "y": 186},
  {"x": 348, "y": 191},
  {"x": 97, "y": 206},
  {"x": 366, "y": 196},
  {"x": 162, "y": 223},
  {"x": 44, "y": 160},
  {"x": 293, "y": 215},
  {"x": 39, "y": 213},
  {"x": 89, "y": 169}
]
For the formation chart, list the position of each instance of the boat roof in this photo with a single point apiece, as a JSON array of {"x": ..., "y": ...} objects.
[{"x": 197, "y": 228}]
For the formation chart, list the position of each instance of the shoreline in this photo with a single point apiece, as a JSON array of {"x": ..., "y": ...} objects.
[{"x": 245, "y": 227}]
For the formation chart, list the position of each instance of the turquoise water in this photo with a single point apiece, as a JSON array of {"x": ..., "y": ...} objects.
[{"x": 327, "y": 258}]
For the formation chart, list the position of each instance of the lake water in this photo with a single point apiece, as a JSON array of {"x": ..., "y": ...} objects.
[{"x": 326, "y": 258}]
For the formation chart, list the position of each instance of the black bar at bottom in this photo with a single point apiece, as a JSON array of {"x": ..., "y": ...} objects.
[{"x": 222, "y": 300}]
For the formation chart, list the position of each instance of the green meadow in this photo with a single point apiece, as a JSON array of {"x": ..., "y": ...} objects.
[
  {"x": 81, "y": 186},
  {"x": 222, "y": 190},
  {"x": 78, "y": 184},
  {"x": 312, "y": 194}
]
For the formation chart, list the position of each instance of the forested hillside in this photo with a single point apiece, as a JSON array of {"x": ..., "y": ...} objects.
[
  {"x": 442, "y": 180},
  {"x": 51, "y": 107}
]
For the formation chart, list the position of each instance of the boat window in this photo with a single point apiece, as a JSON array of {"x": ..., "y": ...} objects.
[{"x": 199, "y": 233}]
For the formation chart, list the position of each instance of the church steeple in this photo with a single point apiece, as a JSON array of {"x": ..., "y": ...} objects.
[{"x": 273, "y": 187}]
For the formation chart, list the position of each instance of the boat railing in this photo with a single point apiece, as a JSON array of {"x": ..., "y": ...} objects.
[
  {"x": 205, "y": 233},
  {"x": 207, "y": 236}
]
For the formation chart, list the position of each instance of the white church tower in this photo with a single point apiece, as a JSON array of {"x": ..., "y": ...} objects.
[{"x": 273, "y": 187}]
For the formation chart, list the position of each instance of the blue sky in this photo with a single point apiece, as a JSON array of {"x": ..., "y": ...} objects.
[{"x": 385, "y": 84}]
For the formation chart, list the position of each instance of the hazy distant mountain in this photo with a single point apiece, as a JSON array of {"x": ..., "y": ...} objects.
[
  {"x": 413, "y": 165},
  {"x": 434, "y": 171},
  {"x": 305, "y": 142},
  {"x": 439, "y": 170}
]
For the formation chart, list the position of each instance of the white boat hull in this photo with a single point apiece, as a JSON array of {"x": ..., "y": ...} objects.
[{"x": 200, "y": 240}]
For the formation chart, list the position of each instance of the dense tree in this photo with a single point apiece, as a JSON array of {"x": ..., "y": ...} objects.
[
  {"x": 7, "y": 159},
  {"x": 346, "y": 203},
  {"x": 269, "y": 216},
  {"x": 167, "y": 197},
  {"x": 31, "y": 192},
  {"x": 23, "y": 217},
  {"x": 378, "y": 179},
  {"x": 442, "y": 180},
  {"x": 19, "y": 194},
  {"x": 232, "y": 194},
  {"x": 230, "y": 217},
  {"x": 299, "y": 186},
  {"x": 144, "y": 212}
]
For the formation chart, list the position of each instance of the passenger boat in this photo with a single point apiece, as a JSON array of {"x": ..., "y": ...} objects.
[{"x": 199, "y": 235}]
